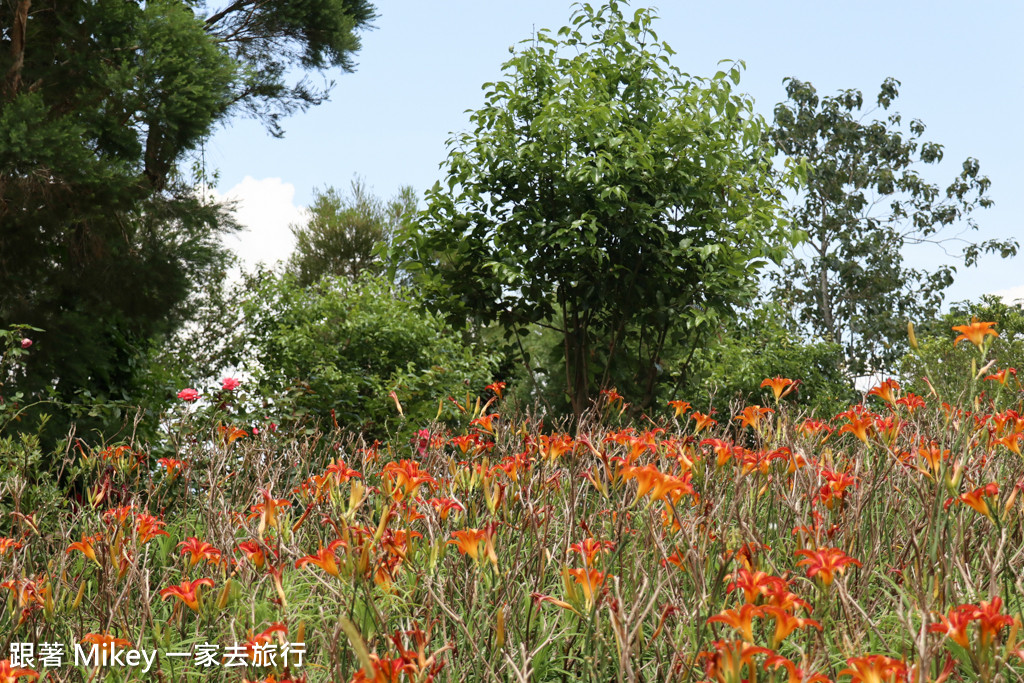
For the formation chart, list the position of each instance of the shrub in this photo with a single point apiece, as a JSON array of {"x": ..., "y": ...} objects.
[{"x": 339, "y": 348}]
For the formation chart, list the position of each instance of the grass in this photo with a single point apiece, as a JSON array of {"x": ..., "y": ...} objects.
[{"x": 884, "y": 544}]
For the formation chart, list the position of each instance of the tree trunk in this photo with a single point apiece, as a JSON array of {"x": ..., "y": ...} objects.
[{"x": 17, "y": 47}]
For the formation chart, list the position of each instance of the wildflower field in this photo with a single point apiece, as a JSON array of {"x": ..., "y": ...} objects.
[{"x": 881, "y": 544}]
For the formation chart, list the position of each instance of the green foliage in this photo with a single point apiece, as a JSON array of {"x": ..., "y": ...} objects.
[
  {"x": 948, "y": 367},
  {"x": 269, "y": 41},
  {"x": 104, "y": 243},
  {"x": 606, "y": 195},
  {"x": 865, "y": 200},
  {"x": 343, "y": 346},
  {"x": 757, "y": 346},
  {"x": 343, "y": 234}
]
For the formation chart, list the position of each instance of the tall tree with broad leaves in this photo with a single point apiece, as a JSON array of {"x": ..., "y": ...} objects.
[
  {"x": 603, "y": 194},
  {"x": 866, "y": 199},
  {"x": 103, "y": 240}
]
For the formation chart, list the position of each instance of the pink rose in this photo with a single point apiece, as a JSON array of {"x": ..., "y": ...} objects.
[
  {"x": 229, "y": 384},
  {"x": 188, "y": 395},
  {"x": 26, "y": 342}
]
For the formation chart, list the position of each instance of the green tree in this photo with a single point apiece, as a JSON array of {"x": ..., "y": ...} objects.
[
  {"x": 606, "y": 195},
  {"x": 104, "y": 241},
  {"x": 865, "y": 201},
  {"x": 343, "y": 235},
  {"x": 758, "y": 345},
  {"x": 341, "y": 346}
]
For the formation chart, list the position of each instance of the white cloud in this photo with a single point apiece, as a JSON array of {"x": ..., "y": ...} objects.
[
  {"x": 1012, "y": 294},
  {"x": 264, "y": 208}
]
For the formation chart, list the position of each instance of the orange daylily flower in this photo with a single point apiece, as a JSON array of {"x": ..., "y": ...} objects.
[
  {"x": 676, "y": 559},
  {"x": 7, "y": 544},
  {"x": 612, "y": 395},
  {"x": 255, "y": 552},
  {"x": 794, "y": 673},
  {"x": 445, "y": 506},
  {"x": 876, "y": 669},
  {"x": 726, "y": 663},
  {"x": 29, "y": 593},
  {"x": 825, "y": 561},
  {"x": 680, "y": 407},
  {"x": 1010, "y": 442},
  {"x": 990, "y": 620},
  {"x": 786, "y": 622},
  {"x": 975, "y": 332},
  {"x": 835, "y": 489},
  {"x": 589, "y": 581},
  {"x": 885, "y": 391},
  {"x": 119, "y": 515},
  {"x": 859, "y": 422},
  {"x": 267, "y": 511},
  {"x": 384, "y": 671},
  {"x": 148, "y": 527},
  {"x": 670, "y": 488},
  {"x": 912, "y": 401},
  {"x": 703, "y": 421},
  {"x": 955, "y": 624},
  {"x": 976, "y": 499},
  {"x": 590, "y": 548},
  {"x": 11, "y": 674},
  {"x": 811, "y": 427},
  {"x": 199, "y": 550},
  {"x": 933, "y": 455},
  {"x": 485, "y": 422},
  {"x": 106, "y": 642},
  {"x": 406, "y": 477},
  {"x": 752, "y": 416},
  {"x": 759, "y": 461},
  {"x": 1002, "y": 375},
  {"x": 231, "y": 434},
  {"x": 780, "y": 386},
  {"x": 264, "y": 638},
  {"x": 754, "y": 584},
  {"x": 340, "y": 473},
  {"x": 324, "y": 558},
  {"x": 780, "y": 596},
  {"x": 723, "y": 450},
  {"x": 741, "y": 619},
  {"x": 187, "y": 592},
  {"x": 86, "y": 547},
  {"x": 468, "y": 542},
  {"x": 465, "y": 442},
  {"x": 554, "y": 446},
  {"x": 172, "y": 465},
  {"x": 496, "y": 387}
]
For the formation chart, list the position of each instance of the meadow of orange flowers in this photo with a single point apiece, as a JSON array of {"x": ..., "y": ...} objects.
[{"x": 880, "y": 545}]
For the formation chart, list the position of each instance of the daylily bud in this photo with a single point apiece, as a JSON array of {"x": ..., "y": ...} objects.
[
  {"x": 499, "y": 637},
  {"x": 78, "y": 598},
  {"x": 225, "y": 594}
]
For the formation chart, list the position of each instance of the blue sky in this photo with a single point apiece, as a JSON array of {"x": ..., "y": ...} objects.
[{"x": 961, "y": 66}]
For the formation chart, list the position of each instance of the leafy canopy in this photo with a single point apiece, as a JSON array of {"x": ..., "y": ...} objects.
[
  {"x": 866, "y": 199},
  {"x": 104, "y": 241},
  {"x": 343, "y": 235},
  {"x": 337, "y": 349},
  {"x": 604, "y": 194}
]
